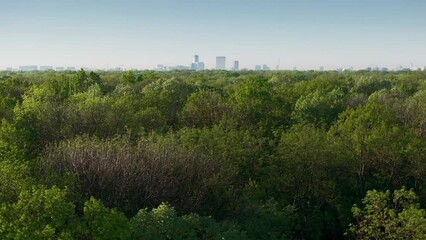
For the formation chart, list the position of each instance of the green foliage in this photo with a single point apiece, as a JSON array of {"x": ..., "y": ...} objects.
[
  {"x": 39, "y": 213},
  {"x": 268, "y": 154},
  {"x": 168, "y": 96},
  {"x": 204, "y": 109},
  {"x": 14, "y": 178},
  {"x": 253, "y": 103},
  {"x": 389, "y": 216},
  {"x": 128, "y": 77},
  {"x": 373, "y": 142},
  {"x": 85, "y": 113},
  {"x": 6, "y": 107},
  {"x": 163, "y": 223},
  {"x": 103, "y": 223},
  {"x": 319, "y": 108}
]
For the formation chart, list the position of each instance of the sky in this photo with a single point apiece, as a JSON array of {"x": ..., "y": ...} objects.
[{"x": 141, "y": 34}]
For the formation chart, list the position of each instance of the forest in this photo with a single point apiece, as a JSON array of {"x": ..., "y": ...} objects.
[{"x": 213, "y": 155}]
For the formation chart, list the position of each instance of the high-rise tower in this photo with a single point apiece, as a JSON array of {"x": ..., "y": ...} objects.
[
  {"x": 236, "y": 66},
  {"x": 221, "y": 63}
]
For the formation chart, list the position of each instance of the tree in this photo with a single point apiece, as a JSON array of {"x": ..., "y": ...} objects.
[
  {"x": 304, "y": 173},
  {"x": 86, "y": 113},
  {"x": 14, "y": 178},
  {"x": 319, "y": 108},
  {"x": 164, "y": 223},
  {"x": 128, "y": 77},
  {"x": 168, "y": 96},
  {"x": 103, "y": 223},
  {"x": 254, "y": 104},
  {"x": 371, "y": 141},
  {"x": 39, "y": 213},
  {"x": 203, "y": 109},
  {"x": 387, "y": 215}
]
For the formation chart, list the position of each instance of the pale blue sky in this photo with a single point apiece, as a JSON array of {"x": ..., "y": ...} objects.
[{"x": 129, "y": 33}]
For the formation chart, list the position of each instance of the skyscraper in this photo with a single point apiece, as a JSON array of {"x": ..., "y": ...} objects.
[
  {"x": 221, "y": 63},
  {"x": 197, "y": 65},
  {"x": 257, "y": 67},
  {"x": 236, "y": 66}
]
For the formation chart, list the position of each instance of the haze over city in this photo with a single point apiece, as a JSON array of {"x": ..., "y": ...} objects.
[{"x": 304, "y": 34}]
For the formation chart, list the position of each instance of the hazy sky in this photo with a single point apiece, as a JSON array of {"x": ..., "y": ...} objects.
[{"x": 129, "y": 33}]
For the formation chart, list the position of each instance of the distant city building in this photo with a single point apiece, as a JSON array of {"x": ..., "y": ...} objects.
[
  {"x": 424, "y": 68},
  {"x": 197, "y": 65},
  {"x": 70, "y": 68},
  {"x": 45, "y": 68},
  {"x": 258, "y": 67},
  {"x": 200, "y": 66},
  {"x": 59, "y": 68},
  {"x": 321, "y": 69},
  {"x": 9, "y": 69},
  {"x": 28, "y": 68},
  {"x": 178, "y": 67},
  {"x": 221, "y": 63},
  {"x": 265, "y": 67},
  {"x": 236, "y": 66}
]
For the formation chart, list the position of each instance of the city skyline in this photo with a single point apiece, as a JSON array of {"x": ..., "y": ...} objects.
[
  {"x": 129, "y": 34},
  {"x": 198, "y": 65},
  {"x": 220, "y": 65}
]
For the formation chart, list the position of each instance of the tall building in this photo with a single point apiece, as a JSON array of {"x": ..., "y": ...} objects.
[
  {"x": 221, "y": 63},
  {"x": 60, "y": 68},
  {"x": 257, "y": 67},
  {"x": 236, "y": 66},
  {"x": 265, "y": 67},
  {"x": 200, "y": 66},
  {"x": 197, "y": 65}
]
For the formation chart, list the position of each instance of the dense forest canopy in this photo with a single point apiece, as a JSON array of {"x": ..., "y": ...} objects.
[{"x": 213, "y": 155}]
